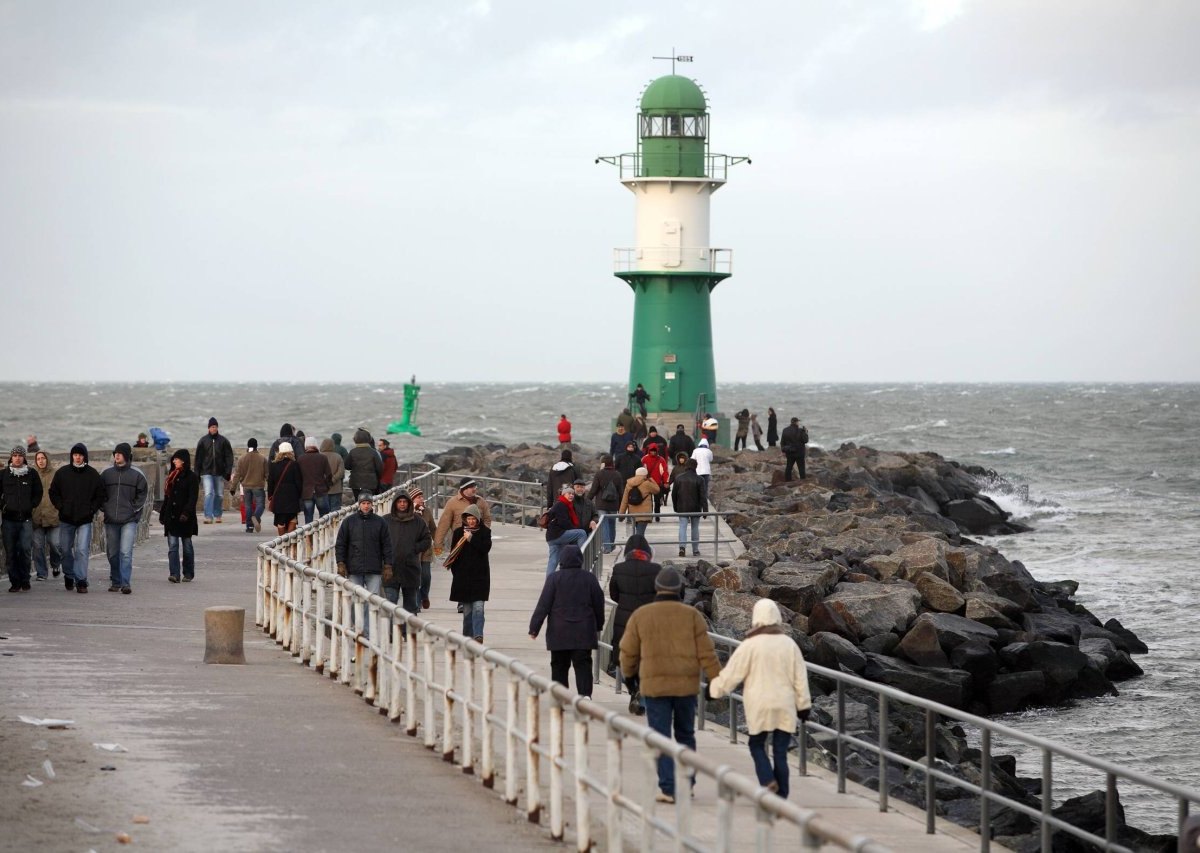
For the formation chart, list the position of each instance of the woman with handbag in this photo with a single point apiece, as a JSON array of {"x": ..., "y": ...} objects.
[{"x": 285, "y": 485}]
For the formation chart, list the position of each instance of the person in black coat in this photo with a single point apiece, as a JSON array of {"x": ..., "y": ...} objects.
[
  {"x": 410, "y": 537},
  {"x": 629, "y": 461},
  {"x": 574, "y": 603},
  {"x": 680, "y": 442},
  {"x": 285, "y": 485},
  {"x": 77, "y": 492},
  {"x": 472, "y": 571},
  {"x": 214, "y": 464},
  {"x": 793, "y": 442},
  {"x": 772, "y": 428},
  {"x": 687, "y": 495},
  {"x": 631, "y": 586},
  {"x": 178, "y": 515},
  {"x": 607, "y": 487}
]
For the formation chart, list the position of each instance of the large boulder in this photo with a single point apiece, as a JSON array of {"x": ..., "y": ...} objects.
[
  {"x": 824, "y": 617},
  {"x": 925, "y": 555},
  {"x": 977, "y": 658},
  {"x": 736, "y": 577},
  {"x": 798, "y": 586},
  {"x": 885, "y": 566},
  {"x": 952, "y": 631},
  {"x": 1012, "y": 691},
  {"x": 1129, "y": 641},
  {"x": 938, "y": 594},
  {"x": 948, "y": 686},
  {"x": 874, "y": 608},
  {"x": 979, "y": 610},
  {"x": 1058, "y": 626},
  {"x": 835, "y": 652},
  {"x": 733, "y": 610},
  {"x": 1060, "y": 663},
  {"x": 920, "y": 645}
]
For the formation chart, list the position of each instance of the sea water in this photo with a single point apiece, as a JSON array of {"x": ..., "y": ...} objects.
[{"x": 1108, "y": 475}]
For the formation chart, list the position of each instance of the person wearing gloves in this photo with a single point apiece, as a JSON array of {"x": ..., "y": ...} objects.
[
  {"x": 468, "y": 562},
  {"x": 178, "y": 516},
  {"x": 574, "y": 603},
  {"x": 364, "y": 550},
  {"x": 78, "y": 493},
  {"x": 452, "y": 512},
  {"x": 409, "y": 537},
  {"x": 775, "y": 692}
]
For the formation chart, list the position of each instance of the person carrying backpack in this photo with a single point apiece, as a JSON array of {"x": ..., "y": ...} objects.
[
  {"x": 638, "y": 500},
  {"x": 607, "y": 488}
]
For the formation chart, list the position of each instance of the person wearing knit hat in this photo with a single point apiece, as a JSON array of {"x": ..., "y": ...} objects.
[
  {"x": 792, "y": 442},
  {"x": 637, "y": 501},
  {"x": 631, "y": 585},
  {"x": 770, "y": 665},
  {"x": 214, "y": 465},
  {"x": 78, "y": 493},
  {"x": 251, "y": 475},
  {"x": 20, "y": 493},
  {"x": 126, "y": 493},
  {"x": 178, "y": 516},
  {"x": 471, "y": 569},
  {"x": 665, "y": 646},
  {"x": 422, "y": 509}
]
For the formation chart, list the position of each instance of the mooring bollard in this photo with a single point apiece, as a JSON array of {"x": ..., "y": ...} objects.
[{"x": 223, "y": 628}]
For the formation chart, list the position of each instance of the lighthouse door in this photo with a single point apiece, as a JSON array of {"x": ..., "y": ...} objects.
[{"x": 668, "y": 389}]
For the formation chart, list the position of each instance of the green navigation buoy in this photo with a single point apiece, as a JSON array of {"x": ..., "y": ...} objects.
[
  {"x": 672, "y": 269},
  {"x": 407, "y": 423}
]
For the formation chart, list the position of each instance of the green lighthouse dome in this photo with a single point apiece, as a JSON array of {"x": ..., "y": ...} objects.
[{"x": 673, "y": 93}]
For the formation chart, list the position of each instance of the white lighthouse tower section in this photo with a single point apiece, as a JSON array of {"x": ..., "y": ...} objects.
[{"x": 672, "y": 224}]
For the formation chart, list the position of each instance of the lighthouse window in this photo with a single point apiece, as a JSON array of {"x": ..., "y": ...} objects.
[{"x": 674, "y": 125}]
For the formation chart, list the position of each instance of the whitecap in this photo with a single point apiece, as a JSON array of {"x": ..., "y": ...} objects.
[
  {"x": 1004, "y": 451},
  {"x": 941, "y": 422}
]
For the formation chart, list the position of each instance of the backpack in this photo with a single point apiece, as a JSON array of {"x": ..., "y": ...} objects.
[
  {"x": 610, "y": 494},
  {"x": 804, "y": 435},
  {"x": 636, "y": 497}
]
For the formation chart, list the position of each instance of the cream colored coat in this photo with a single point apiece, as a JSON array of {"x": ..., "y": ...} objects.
[{"x": 776, "y": 681}]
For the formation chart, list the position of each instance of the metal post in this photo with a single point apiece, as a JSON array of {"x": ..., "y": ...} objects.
[
  {"x": 724, "y": 818},
  {"x": 649, "y": 791},
  {"x": 258, "y": 589},
  {"x": 683, "y": 803},
  {"x": 318, "y": 657},
  {"x": 883, "y": 745},
  {"x": 985, "y": 802},
  {"x": 410, "y": 682},
  {"x": 487, "y": 758},
  {"x": 448, "y": 661},
  {"x": 556, "y": 775},
  {"x": 335, "y": 634},
  {"x": 1047, "y": 797},
  {"x": 930, "y": 751},
  {"x": 583, "y": 819},
  {"x": 612, "y": 813},
  {"x": 510, "y": 740},
  {"x": 533, "y": 790},
  {"x": 468, "y": 714},
  {"x": 395, "y": 668},
  {"x": 841, "y": 743},
  {"x": 427, "y": 688}
]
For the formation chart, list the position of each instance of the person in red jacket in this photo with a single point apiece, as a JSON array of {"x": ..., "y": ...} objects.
[
  {"x": 564, "y": 430},
  {"x": 656, "y": 465},
  {"x": 388, "y": 475}
]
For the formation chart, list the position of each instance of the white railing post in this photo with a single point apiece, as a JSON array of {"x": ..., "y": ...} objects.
[
  {"x": 533, "y": 782},
  {"x": 556, "y": 773},
  {"x": 649, "y": 791},
  {"x": 318, "y": 657},
  {"x": 427, "y": 688},
  {"x": 259, "y": 581},
  {"x": 349, "y": 640},
  {"x": 583, "y": 819},
  {"x": 410, "y": 682},
  {"x": 612, "y": 813},
  {"x": 487, "y": 758},
  {"x": 449, "y": 654},
  {"x": 512, "y": 693},
  {"x": 306, "y": 629},
  {"x": 683, "y": 803},
  {"x": 395, "y": 667},
  {"x": 468, "y": 715}
]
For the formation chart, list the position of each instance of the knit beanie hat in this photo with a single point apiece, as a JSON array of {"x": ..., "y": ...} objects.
[
  {"x": 466, "y": 484},
  {"x": 252, "y": 444},
  {"x": 212, "y": 422},
  {"x": 668, "y": 580},
  {"x": 18, "y": 451},
  {"x": 642, "y": 472},
  {"x": 414, "y": 492}
]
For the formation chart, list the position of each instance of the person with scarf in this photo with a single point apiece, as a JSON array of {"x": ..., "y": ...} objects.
[
  {"x": 574, "y": 603},
  {"x": 178, "y": 516},
  {"x": 20, "y": 493},
  {"x": 46, "y": 554},
  {"x": 631, "y": 586},
  {"x": 775, "y": 691},
  {"x": 565, "y": 527}
]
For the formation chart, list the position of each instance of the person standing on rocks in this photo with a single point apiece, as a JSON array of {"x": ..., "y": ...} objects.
[
  {"x": 410, "y": 537},
  {"x": 743, "y": 429},
  {"x": 422, "y": 509},
  {"x": 126, "y": 491},
  {"x": 704, "y": 458},
  {"x": 363, "y": 551},
  {"x": 564, "y": 431},
  {"x": 566, "y": 527},
  {"x": 178, "y": 516},
  {"x": 680, "y": 442},
  {"x": 251, "y": 475},
  {"x": 46, "y": 555},
  {"x": 574, "y": 603},
  {"x": 638, "y": 500},
  {"x": 688, "y": 496},
  {"x": 562, "y": 473},
  {"x": 387, "y": 477},
  {"x": 607, "y": 487},
  {"x": 772, "y": 427},
  {"x": 792, "y": 442},
  {"x": 756, "y": 432},
  {"x": 631, "y": 586},
  {"x": 285, "y": 484},
  {"x": 451, "y": 517},
  {"x": 315, "y": 476},
  {"x": 364, "y": 464},
  {"x": 472, "y": 570},
  {"x": 20, "y": 493},
  {"x": 666, "y": 645},
  {"x": 775, "y": 692},
  {"x": 337, "y": 478},
  {"x": 78, "y": 493},
  {"x": 214, "y": 464}
]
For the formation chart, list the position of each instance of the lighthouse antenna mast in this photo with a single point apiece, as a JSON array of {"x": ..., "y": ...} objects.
[{"x": 674, "y": 58}]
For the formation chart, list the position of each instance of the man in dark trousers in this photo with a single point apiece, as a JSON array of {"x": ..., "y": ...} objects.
[
  {"x": 680, "y": 442},
  {"x": 607, "y": 487},
  {"x": 687, "y": 495},
  {"x": 792, "y": 442},
  {"x": 364, "y": 549},
  {"x": 214, "y": 464},
  {"x": 574, "y": 603}
]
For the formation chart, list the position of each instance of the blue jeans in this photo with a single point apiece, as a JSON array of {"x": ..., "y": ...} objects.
[
  {"x": 374, "y": 585},
  {"x": 18, "y": 543},
  {"x": 331, "y": 502},
  {"x": 214, "y": 491},
  {"x": 45, "y": 539},
  {"x": 762, "y": 766},
  {"x": 663, "y": 713},
  {"x": 639, "y": 527},
  {"x": 118, "y": 545},
  {"x": 189, "y": 556},
  {"x": 473, "y": 618},
  {"x": 570, "y": 537},
  {"x": 608, "y": 532},
  {"x": 255, "y": 501},
  {"x": 426, "y": 578},
  {"x": 75, "y": 543},
  {"x": 310, "y": 508},
  {"x": 683, "y": 526}
]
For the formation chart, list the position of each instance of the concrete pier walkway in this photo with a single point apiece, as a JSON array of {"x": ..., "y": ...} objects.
[{"x": 272, "y": 756}]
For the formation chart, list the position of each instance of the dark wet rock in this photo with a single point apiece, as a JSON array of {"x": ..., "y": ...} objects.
[
  {"x": 925, "y": 555},
  {"x": 937, "y": 594},
  {"x": 880, "y": 644},
  {"x": 1131, "y": 643},
  {"x": 799, "y": 586},
  {"x": 977, "y": 658},
  {"x": 953, "y": 631},
  {"x": 836, "y": 652},
  {"x": 1054, "y": 625},
  {"x": 920, "y": 645},
  {"x": 1061, "y": 664},
  {"x": 948, "y": 686},
  {"x": 824, "y": 617},
  {"x": 1012, "y": 691}
]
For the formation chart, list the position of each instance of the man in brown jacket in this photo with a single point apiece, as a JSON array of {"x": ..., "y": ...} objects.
[
  {"x": 451, "y": 517},
  {"x": 251, "y": 474},
  {"x": 665, "y": 645}
]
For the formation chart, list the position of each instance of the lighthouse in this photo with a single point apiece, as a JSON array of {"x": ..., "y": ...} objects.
[{"x": 672, "y": 268}]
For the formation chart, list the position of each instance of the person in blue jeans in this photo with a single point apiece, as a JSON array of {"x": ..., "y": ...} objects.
[
  {"x": 126, "y": 490},
  {"x": 178, "y": 516},
  {"x": 77, "y": 492},
  {"x": 665, "y": 646},
  {"x": 468, "y": 561},
  {"x": 419, "y": 507},
  {"x": 566, "y": 526},
  {"x": 214, "y": 464},
  {"x": 776, "y": 691},
  {"x": 20, "y": 493},
  {"x": 364, "y": 551}
]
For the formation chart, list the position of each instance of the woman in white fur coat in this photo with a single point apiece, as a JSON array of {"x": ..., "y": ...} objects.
[{"x": 775, "y": 692}]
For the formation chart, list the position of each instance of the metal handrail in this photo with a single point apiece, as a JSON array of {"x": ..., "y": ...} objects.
[
  {"x": 673, "y": 259},
  {"x": 452, "y": 706},
  {"x": 521, "y": 509}
]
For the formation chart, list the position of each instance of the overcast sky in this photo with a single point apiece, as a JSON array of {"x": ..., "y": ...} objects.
[{"x": 941, "y": 191}]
